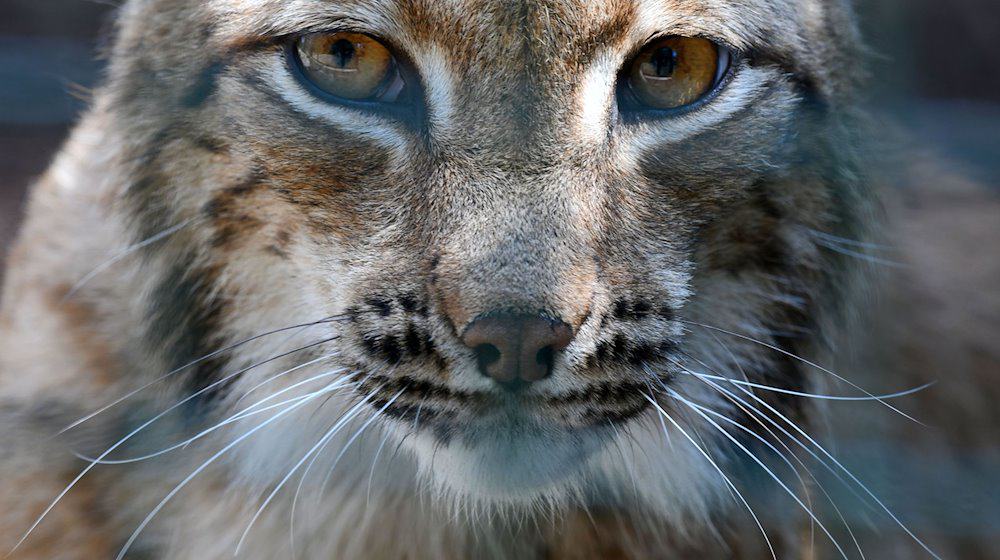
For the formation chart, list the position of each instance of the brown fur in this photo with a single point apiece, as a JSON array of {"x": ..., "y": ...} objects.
[{"x": 514, "y": 188}]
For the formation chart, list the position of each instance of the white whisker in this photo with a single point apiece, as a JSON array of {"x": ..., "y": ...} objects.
[
  {"x": 773, "y": 389},
  {"x": 190, "y": 364},
  {"x": 808, "y": 363},
  {"x": 371, "y": 473},
  {"x": 319, "y": 445},
  {"x": 239, "y": 416},
  {"x": 756, "y": 415},
  {"x": 837, "y": 463},
  {"x": 124, "y": 253},
  {"x": 763, "y": 466},
  {"x": 725, "y": 478},
  {"x": 145, "y": 425},
  {"x": 131, "y": 540}
]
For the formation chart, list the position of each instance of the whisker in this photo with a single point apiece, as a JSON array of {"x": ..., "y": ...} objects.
[
  {"x": 277, "y": 376},
  {"x": 773, "y": 389},
  {"x": 135, "y": 534},
  {"x": 806, "y": 362},
  {"x": 340, "y": 455},
  {"x": 859, "y": 255},
  {"x": 194, "y": 363},
  {"x": 124, "y": 253},
  {"x": 146, "y": 424},
  {"x": 849, "y": 242},
  {"x": 725, "y": 478},
  {"x": 242, "y": 415},
  {"x": 761, "y": 464},
  {"x": 756, "y": 415},
  {"x": 351, "y": 441},
  {"x": 371, "y": 473},
  {"x": 322, "y": 441},
  {"x": 837, "y": 463},
  {"x": 833, "y": 503},
  {"x": 772, "y": 422}
]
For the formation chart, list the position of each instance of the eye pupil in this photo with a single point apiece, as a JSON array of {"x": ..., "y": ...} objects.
[
  {"x": 349, "y": 66},
  {"x": 664, "y": 62},
  {"x": 674, "y": 72},
  {"x": 343, "y": 52}
]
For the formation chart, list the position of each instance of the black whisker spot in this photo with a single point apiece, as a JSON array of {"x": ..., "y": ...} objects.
[
  {"x": 641, "y": 309},
  {"x": 381, "y": 306},
  {"x": 603, "y": 349},
  {"x": 408, "y": 302},
  {"x": 667, "y": 346},
  {"x": 372, "y": 344},
  {"x": 621, "y": 310},
  {"x": 412, "y": 340},
  {"x": 642, "y": 354},
  {"x": 620, "y": 346},
  {"x": 391, "y": 350},
  {"x": 667, "y": 312}
]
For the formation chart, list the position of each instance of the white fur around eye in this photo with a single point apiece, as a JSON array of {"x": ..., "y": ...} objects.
[
  {"x": 372, "y": 127},
  {"x": 745, "y": 88}
]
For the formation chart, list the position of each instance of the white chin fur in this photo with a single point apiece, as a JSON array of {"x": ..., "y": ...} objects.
[{"x": 507, "y": 461}]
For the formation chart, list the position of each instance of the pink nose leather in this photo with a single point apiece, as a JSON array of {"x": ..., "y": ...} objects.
[{"x": 515, "y": 350}]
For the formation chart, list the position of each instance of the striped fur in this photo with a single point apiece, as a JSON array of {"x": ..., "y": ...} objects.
[{"x": 238, "y": 205}]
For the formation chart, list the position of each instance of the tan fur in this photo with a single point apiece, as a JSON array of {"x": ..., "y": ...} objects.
[{"x": 207, "y": 200}]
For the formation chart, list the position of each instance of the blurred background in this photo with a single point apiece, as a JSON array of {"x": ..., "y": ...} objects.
[{"x": 935, "y": 71}]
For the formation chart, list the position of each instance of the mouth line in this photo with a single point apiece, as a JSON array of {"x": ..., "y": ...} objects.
[{"x": 408, "y": 399}]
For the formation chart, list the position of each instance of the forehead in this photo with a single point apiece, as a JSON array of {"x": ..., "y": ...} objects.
[{"x": 550, "y": 25}]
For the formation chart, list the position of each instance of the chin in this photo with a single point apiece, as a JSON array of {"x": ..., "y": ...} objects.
[{"x": 508, "y": 460}]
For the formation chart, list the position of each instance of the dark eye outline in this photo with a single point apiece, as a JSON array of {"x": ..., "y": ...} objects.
[
  {"x": 630, "y": 108},
  {"x": 406, "y": 106}
]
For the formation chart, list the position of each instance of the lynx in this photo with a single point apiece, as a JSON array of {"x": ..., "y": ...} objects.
[{"x": 423, "y": 279}]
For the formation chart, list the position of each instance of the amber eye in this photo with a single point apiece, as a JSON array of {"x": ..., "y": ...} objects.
[
  {"x": 674, "y": 72},
  {"x": 350, "y": 66}
]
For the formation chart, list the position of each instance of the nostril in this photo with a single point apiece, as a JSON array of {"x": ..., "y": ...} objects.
[
  {"x": 510, "y": 347},
  {"x": 546, "y": 357},
  {"x": 486, "y": 356}
]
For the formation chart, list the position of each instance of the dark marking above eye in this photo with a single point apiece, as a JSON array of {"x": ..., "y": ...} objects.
[
  {"x": 212, "y": 208},
  {"x": 243, "y": 188},
  {"x": 211, "y": 144}
]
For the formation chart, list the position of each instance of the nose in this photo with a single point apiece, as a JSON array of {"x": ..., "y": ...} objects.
[{"x": 516, "y": 349}]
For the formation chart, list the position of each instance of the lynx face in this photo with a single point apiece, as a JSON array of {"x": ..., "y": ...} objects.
[{"x": 521, "y": 219}]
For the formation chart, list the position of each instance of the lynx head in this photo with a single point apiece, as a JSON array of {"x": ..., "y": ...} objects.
[{"x": 518, "y": 237}]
